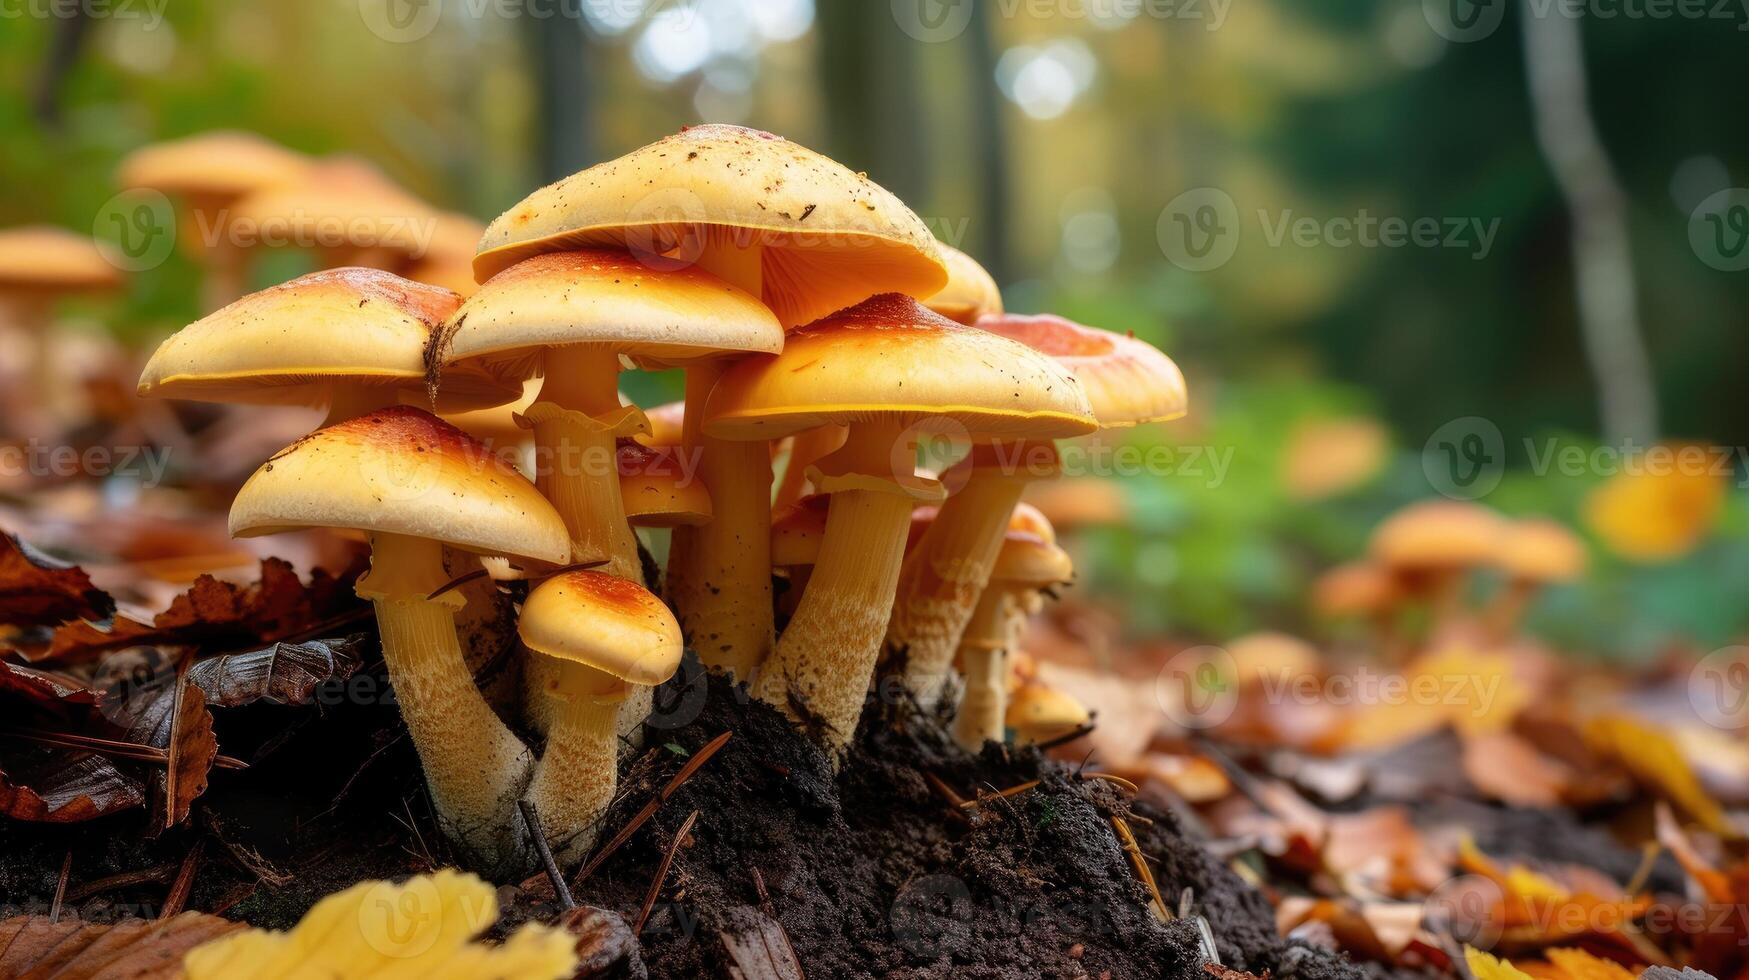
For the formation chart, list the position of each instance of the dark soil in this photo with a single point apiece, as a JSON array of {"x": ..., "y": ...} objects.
[{"x": 872, "y": 873}]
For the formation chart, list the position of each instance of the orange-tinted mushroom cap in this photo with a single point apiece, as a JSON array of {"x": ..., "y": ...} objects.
[
  {"x": 831, "y": 237},
  {"x": 605, "y": 622},
  {"x": 1541, "y": 550},
  {"x": 658, "y": 490},
  {"x": 49, "y": 260},
  {"x": 797, "y": 530},
  {"x": 1438, "y": 534},
  {"x": 1358, "y": 588},
  {"x": 1128, "y": 381},
  {"x": 220, "y": 164},
  {"x": 970, "y": 292},
  {"x": 888, "y": 357}
]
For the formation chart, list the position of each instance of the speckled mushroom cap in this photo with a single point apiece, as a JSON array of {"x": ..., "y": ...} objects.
[
  {"x": 1128, "y": 381},
  {"x": 1355, "y": 589},
  {"x": 970, "y": 292},
  {"x": 657, "y": 489},
  {"x": 338, "y": 203},
  {"x": 606, "y": 299},
  {"x": 296, "y": 342},
  {"x": 832, "y": 237},
  {"x": 1029, "y": 555},
  {"x": 1541, "y": 550},
  {"x": 402, "y": 471},
  {"x": 49, "y": 260},
  {"x": 888, "y": 357},
  {"x": 1435, "y": 535},
  {"x": 220, "y": 164},
  {"x": 605, "y": 622},
  {"x": 798, "y": 529}
]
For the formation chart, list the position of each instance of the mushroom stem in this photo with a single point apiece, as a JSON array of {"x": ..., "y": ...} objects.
[
  {"x": 1508, "y": 607},
  {"x": 574, "y": 781},
  {"x": 574, "y": 443},
  {"x": 826, "y": 656},
  {"x": 351, "y": 401},
  {"x": 984, "y": 655},
  {"x": 719, "y": 574},
  {"x": 226, "y": 278},
  {"x": 946, "y": 573},
  {"x": 805, "y": 450},
  {"x": 474, "y": 766},
  {"x": 29, "y": 316}
]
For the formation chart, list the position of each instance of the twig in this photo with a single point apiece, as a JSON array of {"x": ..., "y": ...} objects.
[
  {"x": 1115, "y": 780},
  {"x": 1133, "y": 851},
  {"x": 947, "y": 792},
  {"x": 236, "y": 893},
  {"x": 1067, "y": 737},
  {"x": 133, "y": 751},
  {"x": 1010, "y": 791},
  {"x": 178, "y": 897},
  {"x": 539, "y": 835},
  {"x": 662, "y": 872},
  {"x": 122, "y": 880},
  {"x": 686, "y": 772},
  {"x": 61, "y": 888}
]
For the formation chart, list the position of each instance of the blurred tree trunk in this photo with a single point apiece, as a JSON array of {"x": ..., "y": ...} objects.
[
  {"x": 561, "y": 52},
  {"x": 990, "y": 149},
  {"x": 64, "y": 47},
  {"x": 874, "y": 119}
]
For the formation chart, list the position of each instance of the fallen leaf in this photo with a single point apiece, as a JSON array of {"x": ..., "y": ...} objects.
[
  {"x": 281, "y": 673},
  {"x": 192, "y": 747},
  {"x": 1486, "y": 967},
  {"x": 1507, "y": 768},
  {"x": 1578, "y": 964},
  {"x": 72, "y": 949},
  {"x": 1658, "y": 765},
  {"x": 53, "y": 785},
  {"x": 36, "y": 590}
]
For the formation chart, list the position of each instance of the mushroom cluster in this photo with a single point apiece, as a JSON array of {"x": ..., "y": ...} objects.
[{"x": 818, "y": 323}]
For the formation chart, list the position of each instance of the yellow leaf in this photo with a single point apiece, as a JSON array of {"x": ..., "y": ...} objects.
[
  {"x": 1656, "y": 763},
  {"x": 418, "y": 929},
  {"x": 1577, "y": 964},
  {"x": 1656, "y": 516},
  {"x": 1486, "y": 967}
]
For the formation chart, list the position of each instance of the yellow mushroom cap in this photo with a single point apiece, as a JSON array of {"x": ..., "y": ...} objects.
[
  {"x": 220, "y": 164},
  {"x": 1438, "y": 534},
  {"x": 1128, "y": 381},
  {"x": 1038, "y": 712},
  {"x": 831, "y": 237},
  {"x": 667, "y": 423},
  {"x": 1271, "y": 654},
  {"x": 607, "y": 300},
  {"x": 1541, "y": 550},
  {"x": 50, "y": 260},
  {"x": 402, "y": 471},
  {"x": 797, "y": 530},
  {"x": 889, "y": 357},
  {"x": 970, "y": 292},
  {"x": 497, "y": 425},
  {"x": 296, "y": 342},
  {"x": 339, "y": 203},
  {"x": 1084, "y": 501},
  {"x": 1029, "y": 560},
  {"x": 657, "y": 490},
  {"x": 1355, "y": 589},
  {"x": 605, "y": 622}
]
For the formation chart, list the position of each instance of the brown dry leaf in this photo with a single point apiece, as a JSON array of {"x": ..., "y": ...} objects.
[
  {"x": 1713, "y": 883},
  {"x": 215, "y": 613},
  {"x": 36, "y": 590},
  {"x": 54, "y": 785},
  {"x": 192, "y": 747},
  {"x": 1656, "y": 763},
  {"x": 281, "y": 673},
  {"x": 1578, "y": 964},
  {"x": 71, "y": 949},
  {"x": 1382, "y": 848},
  {"x": 1507, "y": 768}
]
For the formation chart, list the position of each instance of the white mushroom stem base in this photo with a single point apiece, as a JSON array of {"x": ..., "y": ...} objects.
[
  {"x": 474, "y": 766},
  {"x": 719, "y": 574},
  {"x": 825, "y": 659},
  {"x": 984, "y": 659},
  {"x": 944, "y": 576},
  {"x": 574, "y": 782}
]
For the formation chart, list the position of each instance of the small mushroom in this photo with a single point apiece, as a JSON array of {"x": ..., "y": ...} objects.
[
  {"x": 1534, "y": 553},
  {"x": 1039, "y": 713},
  {"x": 1028, "y": 563},
  {"x": 880, "y": 368},
  {"x": 415, "y": 483},
  {"x": 1431, "y": 547},
  {"x": 1127, "y": 383},
  {"x": 970, "y": 293},
  {"x": 344, "y": 211},
  {"x": 788, "y": 226},
  {"x": 207, "y": 174},
  {"x": 39, "y": 265},
  {"x": 605, "y": 636},
  {"x": 1360, "y": 590}
]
